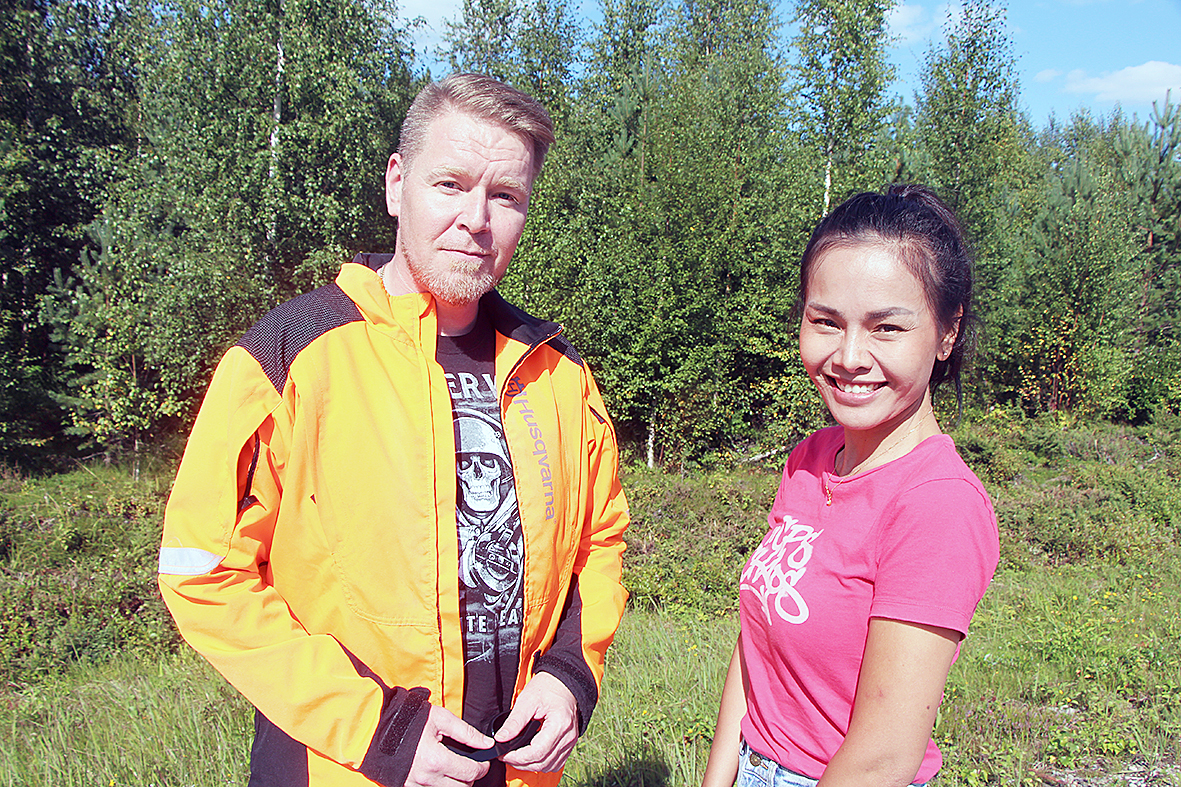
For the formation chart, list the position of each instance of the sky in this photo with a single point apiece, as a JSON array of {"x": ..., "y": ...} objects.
[{"x": 1071, "y": 54}]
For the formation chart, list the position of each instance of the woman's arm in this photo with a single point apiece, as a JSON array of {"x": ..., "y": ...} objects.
[
  {"x": 722, "y": 768},
  {"x": 901, "y": 683}
]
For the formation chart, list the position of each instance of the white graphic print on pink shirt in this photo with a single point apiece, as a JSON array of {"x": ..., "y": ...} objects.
[{"x": 772, "y": 578}]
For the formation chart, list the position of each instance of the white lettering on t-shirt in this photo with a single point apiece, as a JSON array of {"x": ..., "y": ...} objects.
[
  {"x": 467, "y": 386},
  {"x": 772, "y": 578}
]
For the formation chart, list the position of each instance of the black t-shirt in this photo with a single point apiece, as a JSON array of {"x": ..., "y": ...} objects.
[{"x": 491, "y": 542}]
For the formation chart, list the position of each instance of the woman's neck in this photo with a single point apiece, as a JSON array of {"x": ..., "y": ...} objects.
[{"x": 865, "y": 449}]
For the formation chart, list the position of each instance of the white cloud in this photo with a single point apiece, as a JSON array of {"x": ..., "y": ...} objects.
[
  {"x": 914, "y": 25},
  {"x": 431, "y": 10},
  {"x": 429, "y": 35},
  {"x": 1049, "y": 75},
  {"x": 1135, "y": 84},
  {"x": 909, "y": 24}
]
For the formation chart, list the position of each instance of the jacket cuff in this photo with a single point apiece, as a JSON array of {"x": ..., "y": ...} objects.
[
  {"x": 564, "y": 659},
  {"x": 391, "y": 753},
  {"x": 576, "y": 676}
]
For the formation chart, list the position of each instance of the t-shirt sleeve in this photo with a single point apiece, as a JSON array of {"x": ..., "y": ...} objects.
[{"x": 937, "y": 552}]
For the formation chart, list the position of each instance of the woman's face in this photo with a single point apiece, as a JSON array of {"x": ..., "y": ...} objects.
[{"x": 868, "y": 337}]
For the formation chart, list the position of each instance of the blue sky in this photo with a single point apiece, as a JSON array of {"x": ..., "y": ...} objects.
[{"x": 1071, "y": 54}]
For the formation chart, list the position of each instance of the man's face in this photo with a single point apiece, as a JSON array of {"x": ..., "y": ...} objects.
[{"x": 461, "y": 204}]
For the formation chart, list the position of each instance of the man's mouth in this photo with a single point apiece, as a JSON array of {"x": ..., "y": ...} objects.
[{"x": 469, "y": 261}]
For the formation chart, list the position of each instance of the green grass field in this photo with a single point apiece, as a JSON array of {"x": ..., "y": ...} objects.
[{"x": 1071, "y": 675}]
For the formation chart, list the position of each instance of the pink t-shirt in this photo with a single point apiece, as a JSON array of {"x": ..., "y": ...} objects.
[{"x": 913, "y": 540}]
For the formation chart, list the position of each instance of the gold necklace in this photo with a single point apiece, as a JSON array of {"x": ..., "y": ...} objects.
[{"x": 841, "y": 479}]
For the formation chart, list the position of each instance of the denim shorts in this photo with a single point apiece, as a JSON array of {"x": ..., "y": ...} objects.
[{"x": 755, "y": 770}]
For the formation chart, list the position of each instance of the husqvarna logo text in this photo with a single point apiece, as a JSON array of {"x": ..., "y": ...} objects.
[{"x": 516, "y": 391}]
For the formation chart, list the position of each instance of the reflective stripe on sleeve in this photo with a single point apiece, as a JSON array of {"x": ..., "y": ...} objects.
[{"x": 189, "y": 561}]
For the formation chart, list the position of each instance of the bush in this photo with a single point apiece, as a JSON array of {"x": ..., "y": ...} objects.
[
  {"x": 690, "y": 535},
  {"x": 78, "y": 571}
]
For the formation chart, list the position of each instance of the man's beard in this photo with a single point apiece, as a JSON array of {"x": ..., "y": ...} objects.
[{"x": 460, "y": 284}]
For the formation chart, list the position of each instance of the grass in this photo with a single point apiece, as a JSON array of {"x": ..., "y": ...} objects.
[
  {"x": 1072, "y": 670},
  {"x": 655, "y": 721},
  {"x": 1068, "y": 669},
  {"x": 1017, "y": 707},
  {"x": 126, "y": 722}
]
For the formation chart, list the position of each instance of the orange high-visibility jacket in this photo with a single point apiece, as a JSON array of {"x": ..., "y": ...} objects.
[{"x": 310, "y": 550}]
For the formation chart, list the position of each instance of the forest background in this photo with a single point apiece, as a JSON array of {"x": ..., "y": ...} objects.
[{"x": 171, "y": 170}]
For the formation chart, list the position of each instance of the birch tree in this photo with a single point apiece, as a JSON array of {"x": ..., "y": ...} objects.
[{"x": 839, "y": 79}]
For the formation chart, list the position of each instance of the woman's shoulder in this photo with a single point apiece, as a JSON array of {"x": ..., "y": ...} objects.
[
  {"x": 935, "y": 478},
  {"x": 941, "y": 460},
  {"x": 817, "y": 448}
]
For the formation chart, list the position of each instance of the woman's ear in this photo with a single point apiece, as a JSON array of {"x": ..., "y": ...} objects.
[{"x": 949, "y": 336}]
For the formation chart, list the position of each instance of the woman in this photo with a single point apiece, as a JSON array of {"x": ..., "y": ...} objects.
[{"x": 881, "y": 540}]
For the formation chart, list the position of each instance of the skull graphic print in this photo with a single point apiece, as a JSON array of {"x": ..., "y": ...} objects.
[{"x": 491, "y": 542}]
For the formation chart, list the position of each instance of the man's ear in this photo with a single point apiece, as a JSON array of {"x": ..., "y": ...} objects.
[
  {"x": 949, "y": 336},
  {"x": 393, "y": 185}
]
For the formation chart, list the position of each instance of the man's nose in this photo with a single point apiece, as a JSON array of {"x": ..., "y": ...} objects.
[{"x": 473, "y": 216}]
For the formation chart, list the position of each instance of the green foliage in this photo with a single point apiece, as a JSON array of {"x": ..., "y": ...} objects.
[
  {"x": 260, "y": 134},
  {"x": 840, "y": 81},
  {"x": 967, "y": 113},
  {"x": 690, "y": 536},
  {"x": 143, "y": 328},
  {"x": 650, "y": 240},
  {"x": 169, "y": 171},
  {"x": 1078, "y": 295},
  {"x": 973, "y": 147},
  {"x": 1072, "y": 491},
  {"x": 273, "y": 123},
  {"x": 1149, "y": 160},
  {"x": 77, "y": 573},
  {"x": 64, "y": 103},
  {"x": 101, "y": 321},
  {"x": 127, "y": 723},
  {"x": 531, "y": 44}
]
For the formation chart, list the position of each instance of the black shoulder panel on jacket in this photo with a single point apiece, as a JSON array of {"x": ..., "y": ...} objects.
[
  {"x": 286, "y": 330},
  {"x": 527, "y": 329},
  {"x": 562, "y": 345}
]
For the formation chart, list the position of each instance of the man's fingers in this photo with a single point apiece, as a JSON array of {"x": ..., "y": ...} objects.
[
  {"x": 549, "y": 749},
  {"x": 518, "y": 719},
  {"x": 436, "y": 766},
  {"x": 547, "y": 698},
  {"x": 451, "y": 726}
]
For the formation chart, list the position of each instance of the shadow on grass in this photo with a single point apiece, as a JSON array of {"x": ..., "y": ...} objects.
[{"x": 643, "y": 770}]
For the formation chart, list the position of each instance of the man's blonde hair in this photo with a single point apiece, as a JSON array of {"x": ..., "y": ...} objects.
[{"x": 481, "y": 97}]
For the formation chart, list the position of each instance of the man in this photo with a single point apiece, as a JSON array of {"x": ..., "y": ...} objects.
[{"x": 399, "y": 505}]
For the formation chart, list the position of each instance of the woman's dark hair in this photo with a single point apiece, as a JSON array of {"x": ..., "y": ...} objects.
[{"x": 930, "y": 241}]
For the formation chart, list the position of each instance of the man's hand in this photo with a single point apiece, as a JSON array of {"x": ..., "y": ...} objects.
[
  {"x": 436, "y": 766},
  {"x": 547, "y": 698}
]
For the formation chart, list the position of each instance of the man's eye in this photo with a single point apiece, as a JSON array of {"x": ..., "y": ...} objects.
[{"x": 506, "y": 197}]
